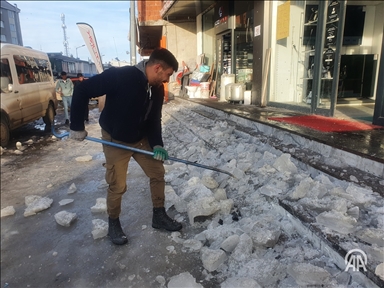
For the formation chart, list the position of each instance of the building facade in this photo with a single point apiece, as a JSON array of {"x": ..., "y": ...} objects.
[
  {"x": 71, "y": 65},
  {"x": 10, "y": 30},
  {"x": 308, "y": 56},
  {"x": 176, "y": 34}
]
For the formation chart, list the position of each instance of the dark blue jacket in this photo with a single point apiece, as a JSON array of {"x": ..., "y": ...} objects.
[{"x": 130, "y": 112}]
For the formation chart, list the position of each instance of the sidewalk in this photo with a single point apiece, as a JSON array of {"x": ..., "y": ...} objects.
[{"x": 368, "y": 144}]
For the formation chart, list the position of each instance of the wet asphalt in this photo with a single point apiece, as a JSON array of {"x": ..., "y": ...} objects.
[{"x": 37, "y": 252}]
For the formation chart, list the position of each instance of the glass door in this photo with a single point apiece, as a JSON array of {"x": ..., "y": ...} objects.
[
  {"x": 243, "y": 49},
  {"x": 324, "y": 22},
  {"x": 223, "y": 57}
]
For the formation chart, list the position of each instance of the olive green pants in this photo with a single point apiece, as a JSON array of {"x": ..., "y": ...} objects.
[{"x": 116, "y": 165}]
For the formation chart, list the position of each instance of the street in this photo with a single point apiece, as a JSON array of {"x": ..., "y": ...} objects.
[{"x": 270, "y": 251}]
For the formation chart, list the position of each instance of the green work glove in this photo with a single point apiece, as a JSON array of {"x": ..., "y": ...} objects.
[{"x": 159, "y": 153}]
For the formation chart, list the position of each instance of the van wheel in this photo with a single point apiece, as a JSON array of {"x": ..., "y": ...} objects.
[
  {"x": 49, "y": 115},
  {"x": 5, "y": 133}
]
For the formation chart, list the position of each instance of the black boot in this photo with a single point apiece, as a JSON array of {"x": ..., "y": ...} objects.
[
  {"x": 161, "y": 220},
  {"x": 115, "y": 232}
]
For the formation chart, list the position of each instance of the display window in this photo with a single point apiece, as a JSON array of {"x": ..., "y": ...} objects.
[{"x": 243, "y": 47}]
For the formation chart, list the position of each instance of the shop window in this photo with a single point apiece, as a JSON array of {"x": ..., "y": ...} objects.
[
  {"x": 243, "y": 46},
  {"x": 353, "y": 26}
]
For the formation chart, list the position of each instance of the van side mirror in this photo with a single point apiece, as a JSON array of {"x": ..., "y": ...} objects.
[{"x": 10, "y": 87}]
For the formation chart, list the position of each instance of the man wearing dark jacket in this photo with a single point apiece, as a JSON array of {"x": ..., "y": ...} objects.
[{"x": 132, "y": 117}]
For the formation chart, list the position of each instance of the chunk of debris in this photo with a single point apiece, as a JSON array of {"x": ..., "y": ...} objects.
[
  {"x": 65, "y": 218},
  {"x": 36, "y": 204},
  {"x": 202, "y": 207},
  {"x": 101, "y": 206},
  {"x": 85, "y": 158},
  {"x": 7, "y": 211},
  {"x": 72, "y": 189},
  {"x": 379, "y": 271},
  {"x": 65, "y": 202},
  {"x": 184, "y": 279},
  {"x": 306, "y": 274},
  {"x": 212, "y": 259},
  {"x": 100, "y": 228}
]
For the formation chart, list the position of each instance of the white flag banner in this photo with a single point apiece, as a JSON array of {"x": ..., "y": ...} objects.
[{"x": 89, "y": 37}]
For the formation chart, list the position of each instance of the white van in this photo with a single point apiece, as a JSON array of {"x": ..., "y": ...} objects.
[{"x": 27, "y": 89}]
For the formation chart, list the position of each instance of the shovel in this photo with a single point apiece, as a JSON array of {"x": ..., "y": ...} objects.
[{"x": 65, "y": 134}]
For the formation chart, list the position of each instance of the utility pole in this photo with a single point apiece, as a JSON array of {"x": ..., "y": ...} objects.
[
  {"x": 65, "y": 42},
  {"x": 133, "y": 33}
]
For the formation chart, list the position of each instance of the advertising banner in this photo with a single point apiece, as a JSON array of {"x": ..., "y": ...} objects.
[{"x": 88, "y": 34}]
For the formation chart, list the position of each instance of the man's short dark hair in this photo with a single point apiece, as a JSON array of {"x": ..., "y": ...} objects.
[
  {"x": 164, "y": 57},
  {"x": 79, "y": 75},
  {"x": 63, "y": 73}
]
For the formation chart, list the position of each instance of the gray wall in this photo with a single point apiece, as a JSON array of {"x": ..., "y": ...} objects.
[{"x": 182, "y": 42}]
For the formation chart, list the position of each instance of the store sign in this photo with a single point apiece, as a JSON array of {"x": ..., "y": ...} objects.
[
  {"x": 330, "y": 35},
  {"x": 333, "y": 11},
  {"x": 222, "y": 20},
  {"x": 257, "y": 30},
  {"x": 283, "y": 14},
  {"x": 221, "y": 13},
  {"x": 328, "y": 59}
]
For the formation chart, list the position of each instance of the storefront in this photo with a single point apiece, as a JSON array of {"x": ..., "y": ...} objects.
[
  {"x": 324, "y": 52},
  {"x": 228, "y": 42}
]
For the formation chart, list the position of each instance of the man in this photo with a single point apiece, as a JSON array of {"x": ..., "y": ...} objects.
[
  {"x": 80, "y": 78},
  {"x": 65, "y": 88},
  {"x": 132, "y": 117}
]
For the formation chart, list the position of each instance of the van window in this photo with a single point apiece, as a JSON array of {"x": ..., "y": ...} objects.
[
  {"x": 31, "y": 70},
  {"x": 5, "y": 76},
  {"x": 44, "y": 70}
]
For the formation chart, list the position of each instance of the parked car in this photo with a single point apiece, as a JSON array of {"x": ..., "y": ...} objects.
[{"x": 27, "y": 89}]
